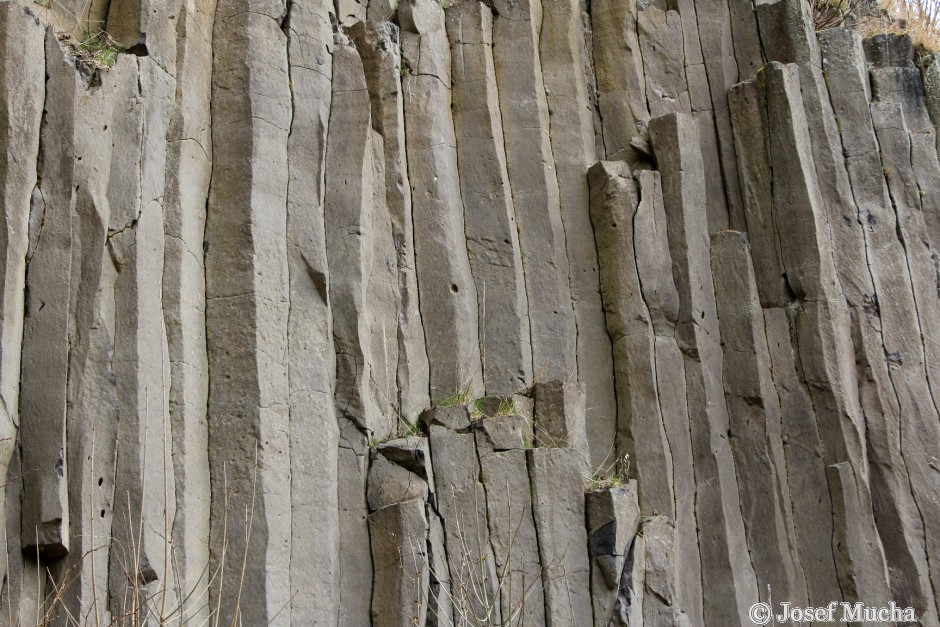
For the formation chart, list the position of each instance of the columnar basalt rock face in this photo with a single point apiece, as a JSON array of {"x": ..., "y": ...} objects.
[{"x": 465, "y": 313}]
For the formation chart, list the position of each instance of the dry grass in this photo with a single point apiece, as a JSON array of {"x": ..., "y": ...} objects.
[
  {"x": 918, "y": 19},
  {"x": 832, "y": 13},
  {"x": 97, "y": 51}
]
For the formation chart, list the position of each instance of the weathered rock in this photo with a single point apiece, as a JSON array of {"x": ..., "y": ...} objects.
[
  {"x": 532, "y": 176},
  {"x": 507, "y": 433},
  {"x": 412, "y": 453},
  {"x": 145, "y": 28},
  {"x": 890, "y": 50},
  {"x": 809, "y": 487},
  {"x": 660, "y": 35},
  {"x": 47, "y": 319},
  {"x": 135, "y": 244},
  {"x": 461, "y": 501},
  {"x": 355, "y": 568},
  {"x": 896, "y": 308},
  {"x": 513, "y": 535},
  {"x": 559, "y": 416},
  {"x": 455, "y": 417},
  {"x": 188, "y": 171},
  {"x": 561, "y": 47},
  {"x": 724, "y": 555},
  {"x": 613, "y": 516},
  {"x": 440, "y": 604},
  {"x": 895, "y": 149},
  {"x": 819, "y": 321},
  {"x": 446, "y": 289},
  {"x": 380, "y": 50},
  {"x": 642, "y": 435},
  {"x": 748, "y": 116},
  {"x": 350, "y": 231},
  {"x": 754, "y": 420},
  {"x": 659, "y": 292},
  {"x": 314, "y": 432},
  {"x": 399, "y": 536},
  {"x": 492, "y": 234},
  {"x": 247, "y": 311},
  {"x": 22, "y": 85},
  {"x": 558, "y": 510},
  {"x": 621, "y": 82},
  {"x": 628, "y": 608},
  {"x": 390, "y": 483}
]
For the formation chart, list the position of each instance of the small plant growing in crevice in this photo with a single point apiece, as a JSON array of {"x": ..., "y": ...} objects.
[
  {"x": 608, "y": 477},
  {"x": 460, "y": 397},
  {"x": 96, "y": 50},
  {"x": 507, "y": 408}
]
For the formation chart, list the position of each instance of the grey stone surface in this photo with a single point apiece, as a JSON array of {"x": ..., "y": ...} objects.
[
  {"x": 642, "y": 434},
  {"x": 462, "y": 503},
  {"x": 726, "y": 564},
  {"x": 446, "y": 289},
  {"x": 513, "y": 535},
  {"x": 314, "y": 431},
  {"x": 613, "y": 517},
  {"x": 754, "y": 420},
  {"x": 490, "y": 223},
  {"x": 533, "y": 179},
  {"x": 247, "y": 311},
  {"x": 897, "y": 311},
  {"x": 456, "y": 417},
  {"x": 46, "y": 326},
  {"x": 561, "y": 46},
  {"x": 390, "y": 483},
  {"x": 560, "y": 416},
  {"x": 245, "y": 251},
  {"x": 621, "y": 81},
  {"x": 188, "y": 171},
  {"x": 399, "y": 534},
  {"x": 22, "y": 85},
  {"x": 379, "y": 48},
  {"x": 558, "y": 510}
]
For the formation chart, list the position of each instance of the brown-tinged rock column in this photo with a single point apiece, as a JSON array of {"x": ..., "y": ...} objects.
[
  {"x": 490, "y": 221},
  {"x": 314, "y": 432},
  {"x": 445, "y": 282},
  {"x": 379, "y": 46},
  {"x": 188, "y": 169},
  {"x": 621, "y": 82},
  {"x": 247, "y": 313}
]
